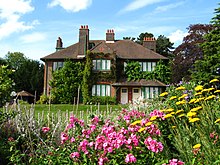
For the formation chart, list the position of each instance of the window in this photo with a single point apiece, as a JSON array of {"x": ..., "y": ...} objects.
[
  {"x": 136, "y": 90},
  {"x": 57, "y": 65},
  {"x": 101, "y": 90},
  {"x": 147, "y": 66},
  {"x": 151, "y": 92},
  {"x": 101, "y": 64}
]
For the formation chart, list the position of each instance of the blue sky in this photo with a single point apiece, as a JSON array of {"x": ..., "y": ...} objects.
[{"x": 33, "y": 26}]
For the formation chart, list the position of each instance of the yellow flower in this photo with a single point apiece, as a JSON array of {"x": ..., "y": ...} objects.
[
  {"x": 199, "y": 93},
  {"x": 163, "y": 110},
  {"x": 181, "y": 102},
  {"x": 210, "y": 97},
  {"x": 172, "y": 113},
  {"x": 199, "y": 99},
  {"x": 205, "y": 90},
  {"x": 153, "y": 118},
  {"x": 180, "y": 88},
  {"x": 191, "y": 114},
  {"x": 192, "y": 101},
  {"x": 199, "y": 88},
  {"x": 173, "y": 97},
  {"x": 192, "y": 120},
  {"x": 179, "y": 111},
  {"x": 136, "y": 122},
  {"x": 196, "y": 146},
  {"x": 217, "y": 91},
  {"x": 217, "y": 121},
  {"x": 210, "y": 89},
  {"x": 196, "y": 109},
  {"x": 163, "y": 94},
  {"x": 169, "y": 110},
  {"x": 173, "y": 126},
  {"x": 213, "y": 80},
  {"x": 141, "y": 129},
  {"x": 148, "y": 123},
  {"x": 183, "y": 96},
  {"x": 181, "y": 115},
  {"x": 168, "y": 116}
]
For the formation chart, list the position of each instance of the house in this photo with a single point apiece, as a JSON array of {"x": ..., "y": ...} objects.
[{"x": 109, "y": 60}]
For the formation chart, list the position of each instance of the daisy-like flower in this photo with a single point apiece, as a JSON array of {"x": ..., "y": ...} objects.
[
  {"x": 192, "y": 101},
  {"x": 217, "y": 121},
  {"x": 168, "y": 116},
  {"x": 181, "y": 115},
  {"x": 210, "y": 97},
  {"x": 199, "y": 88},
  {"x": 199, "y": 93},
  {"x": 196, "y": 109},
  {"x": 163, "y": 94},
  {"x": 183, "y": 96},
  {"x": 169, "y": 110},
  {"x": 196, "y": 146},
  {"x": 148, "y": 123},
  {"x": 192, "y": 120},
  {"x": 181, "y": 102},
  {"x": 217, "y": 91},
  {"x": 173, "y": 97},
  {"x": 180, "y": 88},
  {"x": 179, "y": 111},
  {"x": 142, "y": 129},
  {"x": 136, "y": 122},
  {"x": 214, "y": 80},
  {"x": 191, "y": 114}
]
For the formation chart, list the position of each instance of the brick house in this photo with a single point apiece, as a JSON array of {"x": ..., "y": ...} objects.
[{"x": 110, "y": 56}]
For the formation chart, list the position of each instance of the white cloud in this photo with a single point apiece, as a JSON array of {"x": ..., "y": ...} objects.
[
  {"x": 177, "y": 36},
  {"x": 71, "y": 5},
  {"x": 168, "y": 7},
  {"x": 10, "y": 13},
  {"x": 33, "y": 37},
  {"x": 137, "y": 4}
]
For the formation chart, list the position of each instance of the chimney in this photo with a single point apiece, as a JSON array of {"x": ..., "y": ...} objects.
[
  {"x": 110, "y": 36},
  {"x": 83, "y": 40},
  {"x": 150, "y": 43},
  {"x": 59, "y": 45}
]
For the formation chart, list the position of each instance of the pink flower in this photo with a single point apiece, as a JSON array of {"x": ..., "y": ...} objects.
[
  {"x": 74, "y": 155},
  {"x": 72, "y": 140},
  {"x": 102, "y": 160},
  {"x": 175, "y": 162},
  {"x": 130, "y": 159},
  {"x": 45, "y": 129},
  {"x": 153, "y": 145},
  {"x": 95, "y": 120},
  {"x": 64, "y": 137}
]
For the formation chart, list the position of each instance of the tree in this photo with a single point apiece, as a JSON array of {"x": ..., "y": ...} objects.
[
  {"x": 87, "y": 78},
  {"x": 189, "y": 51},
  {"x": 164, "y": 46},
  {"x": 209, "y": 66},
  {"x": 5, "y": 84},
  {"x": 28, "y": 73},
  {"x": 142, "y": 36},
  {"x": 129, "y": 38},
  {"x": 66, "y": 82}
]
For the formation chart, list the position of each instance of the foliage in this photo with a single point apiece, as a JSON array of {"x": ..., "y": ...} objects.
[
  {"x": 133, "y": 71},
  {"x": 129, "y": 38},
  {"x": 189, "y": 51},
  {"x": 87, "y": 78},
  {"x": 66, "y": 82},
  {"x": 209, "y": 66},
  {"x": 28, "y": 73},
  {"x": 161, "y": 72},
  {"x": 142, "y": 36},
  {"x": 164, "y": 46},
  {"x": 6, "y": 84},
  {"x": 44, "y": 99},
  {"x": 102, "y": 100},
  {"x": 192, "y": 116}
]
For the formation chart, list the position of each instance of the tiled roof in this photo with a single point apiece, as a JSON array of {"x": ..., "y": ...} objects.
[
  {"x": 124, "y": 49},
  {"x": 141, "y": 82}
]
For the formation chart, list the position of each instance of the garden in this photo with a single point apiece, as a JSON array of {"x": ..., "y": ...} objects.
[{"x": 181, "y": 126}]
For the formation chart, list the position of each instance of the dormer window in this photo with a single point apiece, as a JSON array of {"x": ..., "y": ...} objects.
[
  {"x": 101, "y": 64},
  {"x": 147, "y": 66}
]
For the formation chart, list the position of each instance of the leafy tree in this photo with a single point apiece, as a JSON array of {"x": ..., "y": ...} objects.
[
  {"x": 129, "y": 38},
  {"x": 28, "y": 73},
  {"x": 66, "y": 81},
  {"x": 5, "y": 84},
  {"x": 164, "y": 46},
  {"x": 209, "y": 66},
  {"x": 189, "y": 51},
  {"x": 87, "y": 78}
]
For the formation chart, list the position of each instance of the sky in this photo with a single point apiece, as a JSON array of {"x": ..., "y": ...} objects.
[{"x": 33, "y": 26}]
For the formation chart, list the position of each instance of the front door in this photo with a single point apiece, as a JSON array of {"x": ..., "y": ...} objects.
[
  {"x": 124, "y": 95},
  {"x": 136, "y": 93}
]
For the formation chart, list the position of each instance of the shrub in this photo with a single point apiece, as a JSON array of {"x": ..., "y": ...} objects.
[{"x": 103, "y": 100}]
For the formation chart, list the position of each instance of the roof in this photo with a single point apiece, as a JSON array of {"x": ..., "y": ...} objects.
[
  {"x": 141, "y": 82},
  {"x": 124, "y": 49}
]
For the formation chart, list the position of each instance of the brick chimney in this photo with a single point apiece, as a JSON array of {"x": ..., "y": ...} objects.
[
  {"x": 59, "y": 45},
  {"x": 110, "y": 36},
  {"x": 83, "y": 40},
  {"x": 150, "y": 43}
]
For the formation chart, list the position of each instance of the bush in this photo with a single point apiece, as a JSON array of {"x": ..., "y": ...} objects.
[
  {"x": 43, "y": 99},
  {"x": 103, "y": 100}
]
